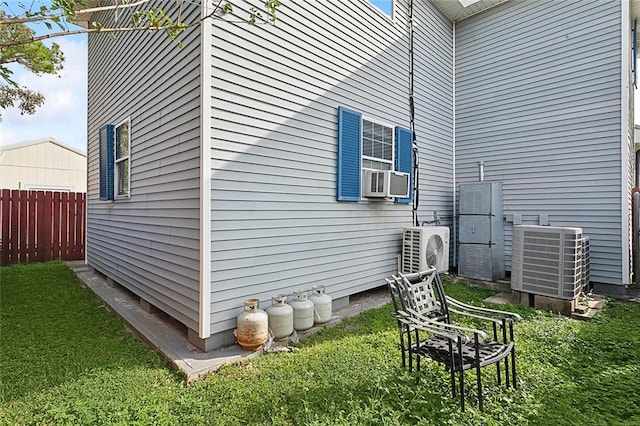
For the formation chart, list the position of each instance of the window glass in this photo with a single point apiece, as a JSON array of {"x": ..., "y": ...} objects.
[
  {"x": 123, "y": 138},
  {"x": 122, "y": 146},
  {"x": 377, "y": 146}
]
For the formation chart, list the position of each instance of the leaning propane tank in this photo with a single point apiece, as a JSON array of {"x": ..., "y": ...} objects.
[
  {"x": 302, "y": 311},
  {"x": 321, "y": 303},
  {"x": 252, "y": 325},
  {"x": 280, "y": 317}
]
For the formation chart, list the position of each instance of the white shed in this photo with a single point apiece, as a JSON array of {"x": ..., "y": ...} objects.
[{"x": 44, "y": 164}]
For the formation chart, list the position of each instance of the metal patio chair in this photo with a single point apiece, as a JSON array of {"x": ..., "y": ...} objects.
[{"x": 423, "y": 313}]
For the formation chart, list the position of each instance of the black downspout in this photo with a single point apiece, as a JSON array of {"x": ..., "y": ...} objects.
[{"x": 416, "y": 180}]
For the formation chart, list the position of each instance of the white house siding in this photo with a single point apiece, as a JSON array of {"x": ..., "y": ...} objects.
[
  {"x": 538, "y": 97},
  {"x": 433, "y": 88},
  {"x": 276, "y": 224},
  {"x": 149, "y": 243}
]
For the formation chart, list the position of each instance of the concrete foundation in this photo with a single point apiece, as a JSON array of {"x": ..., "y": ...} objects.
[
  {"x": 148, "y": 307},
  {"x": 213, "y": 342},
  {"x": 558, "y": 306},
  {"x": 340, "y": 303}
]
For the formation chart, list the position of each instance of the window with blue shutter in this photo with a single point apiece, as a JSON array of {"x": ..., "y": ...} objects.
[
  {"x": 106, "y": 160},
  {"x": 363, "y": 143},
  {"x": 349, "y": 154},
  {"x": 404, "y": 159}
]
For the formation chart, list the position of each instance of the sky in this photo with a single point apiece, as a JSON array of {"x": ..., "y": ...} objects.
[{"x": 64, "y": 113}]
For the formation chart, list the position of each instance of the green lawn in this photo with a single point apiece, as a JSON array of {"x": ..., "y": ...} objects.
[{"x": 65, "y": 359}]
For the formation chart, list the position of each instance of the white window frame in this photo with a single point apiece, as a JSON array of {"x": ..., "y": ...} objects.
[
  {"x": 118, "y": 161},
  {"x": 391, "y": 162}
]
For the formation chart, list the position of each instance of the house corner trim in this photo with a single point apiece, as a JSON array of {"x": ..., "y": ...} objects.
[
  {"x": 204, "y": 311},
  {"x": 624, "y": 143}
]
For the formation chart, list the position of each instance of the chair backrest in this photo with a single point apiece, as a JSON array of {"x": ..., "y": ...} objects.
[
  {"x": 426, "y": 294},
  {"x": 396, "y": 297}
]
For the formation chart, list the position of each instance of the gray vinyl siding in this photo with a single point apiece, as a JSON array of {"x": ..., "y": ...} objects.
[
  {"x": 276, "y": 224},
  {"x": 433, "y": 83},
  {"x": 150, "y": 242},
  {"x": 538, "y": 98}
]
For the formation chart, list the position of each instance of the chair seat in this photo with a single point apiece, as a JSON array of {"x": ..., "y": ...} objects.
[{"x": 437, "y": 348}]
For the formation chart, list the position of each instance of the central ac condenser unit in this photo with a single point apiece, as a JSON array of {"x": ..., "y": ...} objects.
[
  {"x": 547, "y": 261},
  {"x": 425, "y": 247},
  {"x": 586, "y": 274}
]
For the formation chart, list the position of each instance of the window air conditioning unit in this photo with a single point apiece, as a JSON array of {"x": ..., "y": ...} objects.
[
  {"x": 547, "y": 260},
  {"x": 385, "y": 184},
  {"x": 425, "y": 247}
]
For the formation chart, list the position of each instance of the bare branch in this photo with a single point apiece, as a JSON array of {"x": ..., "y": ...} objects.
[
  {"x": 40, "y": 18},
  {"x": 22, "y": 20},
  {"x": 112, "y": 7}
]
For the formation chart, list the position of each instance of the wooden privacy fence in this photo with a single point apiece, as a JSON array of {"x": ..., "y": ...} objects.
[{"x": 39, "y": 226}]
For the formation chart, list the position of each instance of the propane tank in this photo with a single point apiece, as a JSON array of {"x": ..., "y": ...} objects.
[
  {"x": 252, "y": 326},
  {"x": 302, "y": 311},
  {"x": 280, "y": 317},
  {"x": 321, "y": 304}
]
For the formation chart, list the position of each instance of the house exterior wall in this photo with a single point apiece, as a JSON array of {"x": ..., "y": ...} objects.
[
  {"x": 276, "y": 224},
  {"x": 43, "y": 165},
  {"x": 539, "y": 98},
  {"x": 149, "y": 243},
  {"x": 433, "y": 87}
]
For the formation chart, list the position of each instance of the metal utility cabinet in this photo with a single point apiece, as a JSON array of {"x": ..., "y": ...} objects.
[{"x": 481, "y": 231}]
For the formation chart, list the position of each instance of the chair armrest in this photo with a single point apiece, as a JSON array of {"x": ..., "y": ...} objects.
[
  {"x": 475, "y": 309},
  {"x": 498, "y": 321},
  {"x": 442, "y": 325}
]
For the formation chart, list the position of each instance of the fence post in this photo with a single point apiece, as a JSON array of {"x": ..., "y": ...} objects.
[{"x": 5, "y": 203}]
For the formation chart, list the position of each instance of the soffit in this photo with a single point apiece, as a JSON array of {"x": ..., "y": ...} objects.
[{"x": 457, "y": 10}]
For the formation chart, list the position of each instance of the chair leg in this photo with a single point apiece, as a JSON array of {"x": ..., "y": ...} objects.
[
  {"x": 418, "y": 348},
  {"x": 452, "y": 370},
  {"x": 410, "y": 351},
  {"x": 495, "y": 338},
  {"x": 513, "y": 368},
  {"x": 513, "y": 356},
  {"x": 478, "y": 376},
  {"x": 460, "y": 366},
  {"x": 506, "y": 360}
]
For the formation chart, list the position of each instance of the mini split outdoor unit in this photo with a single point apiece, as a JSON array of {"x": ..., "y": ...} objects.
[
  {"x": 548, "y": 261},
  {"x": 385, "y": 184},
  {"x": 425, "y": 247}
]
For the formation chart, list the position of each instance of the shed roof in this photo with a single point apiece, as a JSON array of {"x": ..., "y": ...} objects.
[{"x": 46, "y": 139}]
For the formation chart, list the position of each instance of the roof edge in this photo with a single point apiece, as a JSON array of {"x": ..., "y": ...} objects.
[{"x": 39, "y": 141}]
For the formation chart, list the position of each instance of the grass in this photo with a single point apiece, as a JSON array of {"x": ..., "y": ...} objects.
[{"x": 67, "y": 360}]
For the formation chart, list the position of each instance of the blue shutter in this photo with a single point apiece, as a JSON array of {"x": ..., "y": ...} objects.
[
  {"x": 106, "y": 159},
  {"x": 404, "y": 159},
  {"x": 349, "y": 154}
]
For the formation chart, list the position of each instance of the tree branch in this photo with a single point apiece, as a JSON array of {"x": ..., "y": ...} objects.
[
  {"x": 175, "y": 26},
  {"x": 39, "y": 18}
]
